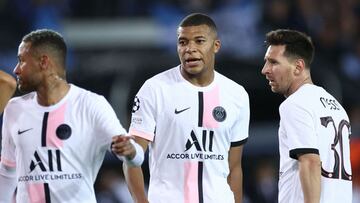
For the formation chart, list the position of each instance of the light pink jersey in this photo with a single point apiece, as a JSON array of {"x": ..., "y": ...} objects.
[
  {"x": 58, "y": 150},
  {"x": 191, "y": 130}
]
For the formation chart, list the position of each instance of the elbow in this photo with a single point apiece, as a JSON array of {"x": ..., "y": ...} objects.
[
  {"x": 12, "y": 83},
  {"x": 8, "y": 81}
]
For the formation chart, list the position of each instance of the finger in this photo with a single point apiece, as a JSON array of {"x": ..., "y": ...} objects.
[
  {"x": 119, "y": 139},
  {"x": 124, "y": 150},
  {"x": 121, "y": 146},
  {"x": 121, "y": 142}
]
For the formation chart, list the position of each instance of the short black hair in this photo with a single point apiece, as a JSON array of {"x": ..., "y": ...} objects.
[
  {"x": 50, "y": 39},
  {"x": 196, "y": 19},
  {"x": 297, "y": 44}
]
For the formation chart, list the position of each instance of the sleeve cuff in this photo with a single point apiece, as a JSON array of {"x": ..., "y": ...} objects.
[
  {"x": 238, "y": 143},
  {"x": 295, "y": 152}
]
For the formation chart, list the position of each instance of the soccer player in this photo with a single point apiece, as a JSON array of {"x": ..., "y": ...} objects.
[
  {"x": 7, "y": 89},
  {"x": 314, "y": 128},
  {"x": 55, "y": 137},
  {"x": 195, "y": 121}
]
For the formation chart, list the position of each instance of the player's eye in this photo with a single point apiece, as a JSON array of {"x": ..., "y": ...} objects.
[
  {"x": 182, "y": 42},
  {"x": 200, "y": 41}
]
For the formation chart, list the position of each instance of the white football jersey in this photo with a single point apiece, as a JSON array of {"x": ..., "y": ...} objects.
[
  {"x": 191, "y": 130},
  {"x": 58, "y": 150},
  {"x": 313, "y": 121}
]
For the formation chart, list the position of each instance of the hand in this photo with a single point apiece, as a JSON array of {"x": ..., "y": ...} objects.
[{"x": 122, "y": 146}]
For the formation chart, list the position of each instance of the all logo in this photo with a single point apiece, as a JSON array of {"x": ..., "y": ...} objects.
[
  {"x": 53, "y": 160},
  {"x": 198, "y": 147},
  {"x": 206, "y": 144}
]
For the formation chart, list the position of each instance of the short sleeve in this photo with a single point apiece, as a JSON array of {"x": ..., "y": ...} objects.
[
  {"x": 299, "y": 127},
  {"x": 240, "y": 129},
  {"x": 143, "y": 113},
  {"x": 104, "y": 120}
]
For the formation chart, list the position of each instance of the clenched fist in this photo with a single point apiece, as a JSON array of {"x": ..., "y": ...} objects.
[{"x": 122, "y": 146}]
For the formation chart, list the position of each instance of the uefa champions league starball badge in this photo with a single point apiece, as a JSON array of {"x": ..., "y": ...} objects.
[{"x": 136, "y": 104}]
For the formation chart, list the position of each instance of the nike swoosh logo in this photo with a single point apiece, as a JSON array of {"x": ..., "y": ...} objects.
[
  {"x": 21, "y": 132},
  {"x": 182, "y": 110}
]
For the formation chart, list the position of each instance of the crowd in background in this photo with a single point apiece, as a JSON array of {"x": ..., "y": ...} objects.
[{"x": 333, "y": 24}]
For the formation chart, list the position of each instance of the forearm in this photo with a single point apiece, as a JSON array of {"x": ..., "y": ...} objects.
[
  {"x": 135, "y": 181},
  {"x": 235, "y": 180},
  {"x": 310, "y": 177}
]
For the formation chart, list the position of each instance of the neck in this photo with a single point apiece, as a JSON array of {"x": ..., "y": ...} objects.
[
  {"x": 297, "y": 85},
  {"x": 200, "y": 79},
  {"x": 54, "y": 89}
]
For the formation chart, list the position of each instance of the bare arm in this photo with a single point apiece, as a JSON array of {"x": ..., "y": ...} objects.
[
  {"x": 135, "y": 178},
  {"x": 310, "y": 175},
  {"x": 235, "y": 178},
  {"x": 7, "y": 89}
]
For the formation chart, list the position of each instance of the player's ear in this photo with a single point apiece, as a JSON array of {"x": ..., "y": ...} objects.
[
  {"x": 217, "y": 45},
  {"x": 44, "y": 61},
  {"x": 299, "y": 66}
]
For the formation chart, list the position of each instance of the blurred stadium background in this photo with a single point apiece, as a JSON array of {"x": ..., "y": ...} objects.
[{"x": 115, "y": 45}]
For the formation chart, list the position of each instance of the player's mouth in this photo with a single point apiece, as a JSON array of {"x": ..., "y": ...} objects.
[
  {"x": 271, "y": 81},
  {"x": 192, "y": 62},
  {"x": 18, "y": 80}
]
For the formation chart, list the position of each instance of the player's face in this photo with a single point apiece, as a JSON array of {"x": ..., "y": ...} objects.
[
  {"x": 196, "y": 48},
  {"x": 27, "y": 69},
  {"x": 279, "y": 71}
]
